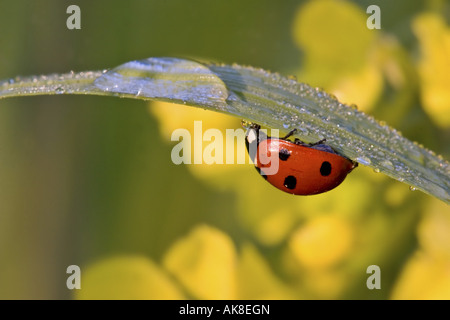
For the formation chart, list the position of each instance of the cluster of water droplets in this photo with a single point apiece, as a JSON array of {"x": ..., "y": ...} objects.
[{"x": 69, "y": 83}]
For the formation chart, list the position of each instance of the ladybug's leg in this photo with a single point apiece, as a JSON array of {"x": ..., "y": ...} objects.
[
  {"x": 316, "y": 143},
  {"x": 290, "y": 133},
  {"x": 300, "y": 142}
]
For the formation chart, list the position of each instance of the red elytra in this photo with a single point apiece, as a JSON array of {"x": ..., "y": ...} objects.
[{"x": 303, "y": 169}]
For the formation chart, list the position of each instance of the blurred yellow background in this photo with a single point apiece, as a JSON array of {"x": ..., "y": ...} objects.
[{"x": 89, "y": 181}]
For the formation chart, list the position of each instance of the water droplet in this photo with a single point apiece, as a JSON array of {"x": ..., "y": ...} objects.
[
  {"x": 232, "y": 97},
  {"x": 354, "y": 106},
  {"x": 59, "y": 90},
  {"x": 416, "y": 155},
  {"x": 387, "y": 164},
  {"x": 245, "y": 123},
  {"x": 412, "y": 188},
  {"x": 376, "y": 170},
  {"x": 11, "y": 80},
  {"x": 285, "y": 125},
  {"x": 363, "y": 160}
]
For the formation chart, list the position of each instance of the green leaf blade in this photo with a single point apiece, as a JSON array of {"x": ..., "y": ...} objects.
[{"x": 258, "y": 96}]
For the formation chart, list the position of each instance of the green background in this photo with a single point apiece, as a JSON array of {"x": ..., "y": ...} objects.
[{"x": 83, "y": 178}]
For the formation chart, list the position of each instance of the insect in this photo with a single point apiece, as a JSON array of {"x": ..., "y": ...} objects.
[{"x": 303, "y": 169}]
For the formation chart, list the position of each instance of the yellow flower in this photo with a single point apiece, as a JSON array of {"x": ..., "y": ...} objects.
[
  {"x": 427, "y": 273},
  {"x": 126, "y": 277},
  {"x": 338, "y": 51},
  {"x": 204, "y": 263},
  {"x": 434, "y": 66},
  {"x": 322, "y": 242}
]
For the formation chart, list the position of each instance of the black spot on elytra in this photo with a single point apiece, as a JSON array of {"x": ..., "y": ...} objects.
[
  {"x": 325, "y": 168},
  {"x": 290, "y": 182},
  {"x": 284, "y": 154}
]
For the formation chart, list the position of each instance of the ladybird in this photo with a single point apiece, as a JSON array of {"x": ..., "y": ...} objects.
[{"x": 303, "y": 169}]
